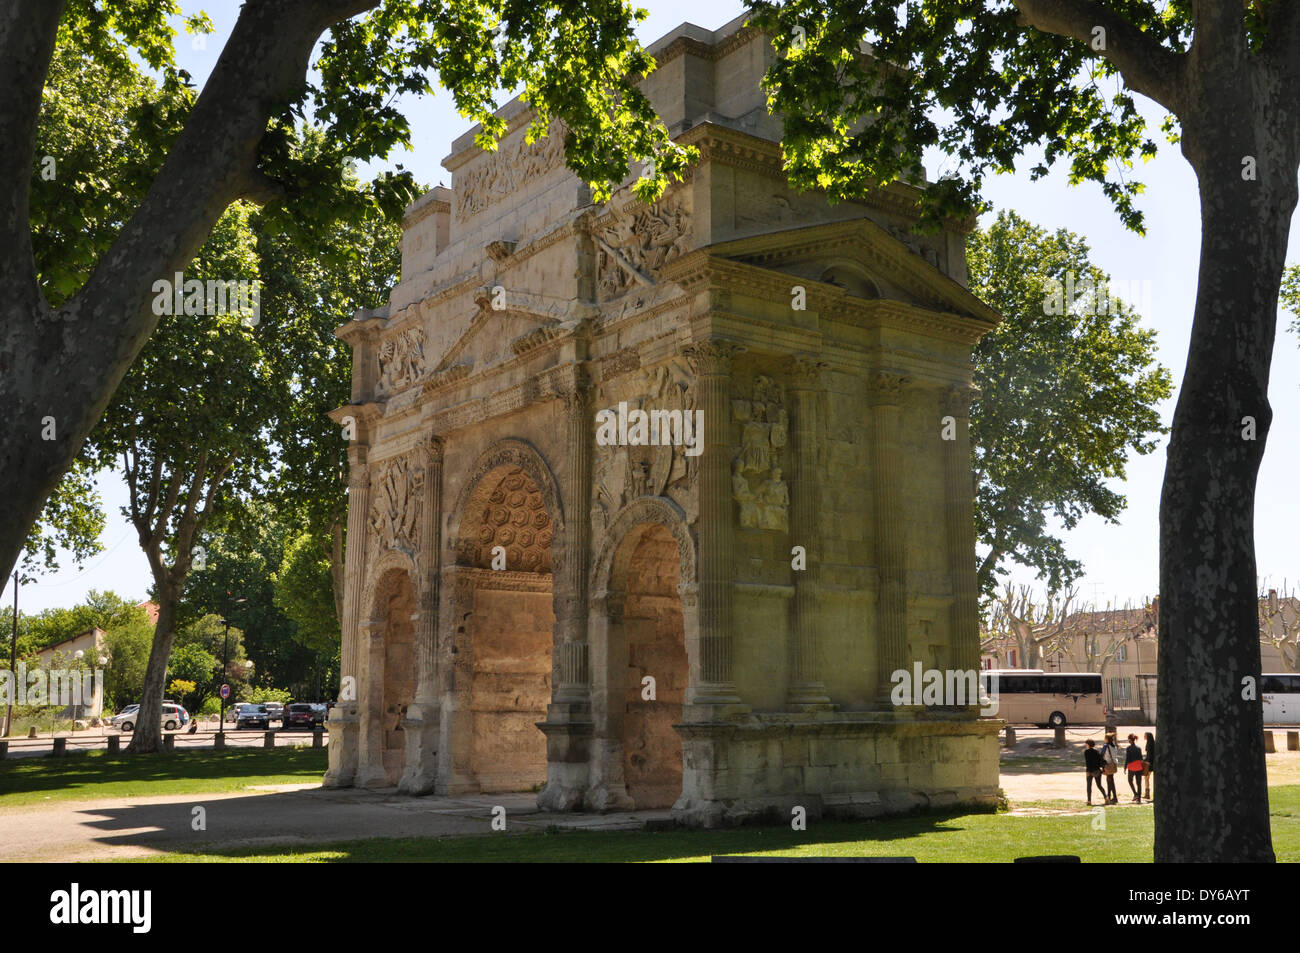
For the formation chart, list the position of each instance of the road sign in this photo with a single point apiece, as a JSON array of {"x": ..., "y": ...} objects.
[{"x": 225, "y": 691}]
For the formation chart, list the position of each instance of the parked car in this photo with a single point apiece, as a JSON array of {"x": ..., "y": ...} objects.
[
  {"x": 303, "y": 715},
  {"x": 173, "y": 716},
  {"x": 275, "y": 710},
  {"x": 253, "y": 716}
]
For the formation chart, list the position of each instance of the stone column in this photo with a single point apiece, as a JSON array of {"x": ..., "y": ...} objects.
[
  {"x": 712, "y": 362},
  {"x": 568, "y": 725},
  {"x": 608, "y": 784},
  {"x": 422, "y": 717},
  {"x": 885, "y": 393},
  {"x": 343, "y": 716},
  {"x": 805, "y": 685},
  {"x": 574, "y": 687},
  {"x": 959, "y": 513},
  {"x": 370, "y": 748},
  {"x": 455, "y": 771}
]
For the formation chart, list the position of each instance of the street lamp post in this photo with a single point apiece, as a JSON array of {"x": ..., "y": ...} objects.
[
  {"x": 225, "y": 661},
  {"x": 13, "y": 664}
]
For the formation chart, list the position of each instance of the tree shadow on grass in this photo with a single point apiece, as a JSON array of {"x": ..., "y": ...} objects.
[
  {"x": 392, "y": 829},
  {"x": 30, "y": 776}
]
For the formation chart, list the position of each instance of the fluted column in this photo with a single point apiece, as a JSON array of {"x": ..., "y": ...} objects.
[
  {"x": 568, "y": 726},
  {"x": 455, "y": 770},
  {"x": 421, "y": 724},
  {"x": 885, "y": 392},
  {"x": 805, "y": 684},
  {"x": 712, "y": 362},
  {"x": 370, "y": 757},
  {"x": 429, "y": 453},
  {"x": 343, "y": 716},
  {"x": 960, "y": 517},
  {"x": 571, "y": 589}
]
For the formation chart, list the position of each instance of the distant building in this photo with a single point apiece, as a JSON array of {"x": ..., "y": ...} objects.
[
  {"x": 1122, "y": 646},
  {"x": 64, "y": 655}
]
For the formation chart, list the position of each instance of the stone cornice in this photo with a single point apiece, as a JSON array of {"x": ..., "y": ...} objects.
[{"x": 699, "y": 271}]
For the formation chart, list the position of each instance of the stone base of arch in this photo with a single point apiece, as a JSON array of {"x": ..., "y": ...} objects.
[
  {"x": 344, "y": 728},
  {"x": 833, "y": 764},
  {"x": 568, "y": 729},
  {"x": 421, "y": 726}
]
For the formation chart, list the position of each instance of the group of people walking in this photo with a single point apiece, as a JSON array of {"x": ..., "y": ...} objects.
[{"x": 1102, "y": 764}]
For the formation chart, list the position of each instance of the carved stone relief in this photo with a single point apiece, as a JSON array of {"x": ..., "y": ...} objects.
[
  {"x": 623, "y": 474},
  {"x": 515, "y": 518},
  {"x": 397, "y": 495},
  {"x": 401, "y": 360},
  {"x": 638, "y": 242},
  {"x": 756, "y": 477},
  {"x": 507, "y": 171}
]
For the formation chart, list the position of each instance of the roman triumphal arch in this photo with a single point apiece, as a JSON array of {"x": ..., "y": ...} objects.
[{"x": 647, "y": 503}]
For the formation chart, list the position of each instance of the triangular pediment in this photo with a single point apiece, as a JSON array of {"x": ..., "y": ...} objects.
[
  {"x": 493, "y": 335},
  {"x": 863, "y": 258}
]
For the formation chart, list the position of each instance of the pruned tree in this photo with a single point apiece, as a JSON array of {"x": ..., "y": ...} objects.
[
  {"x": 866, "y": 89},
  {"x": 1279, "y": 625},
  {"x": 1036, "y": 625}
]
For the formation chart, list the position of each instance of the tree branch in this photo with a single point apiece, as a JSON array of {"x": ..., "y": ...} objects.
[
  {"x": 1147, "y": 67},
  {"x": 27, "y": 32},
  {"x": 213, "y": 162}
]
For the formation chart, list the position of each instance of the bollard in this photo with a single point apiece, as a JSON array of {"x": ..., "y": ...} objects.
[
  {"x": 169, "y": 742},
  {"x": 268, "y": 740},
  {"x": 60, "y": 747},
  {"x": 1268, "y": 743},
  {"x": 114, "y": 744},
  {"x": 1011, "y": 737},
  {"x": 219, "y": 741},
  {"x": 317, "y": 738},
  {"x": 1060, "y": 736},
  {"x": 1293, "y": 741},
  {"x": 31, "y": 732},
  {"x": 4, "y": 750}
]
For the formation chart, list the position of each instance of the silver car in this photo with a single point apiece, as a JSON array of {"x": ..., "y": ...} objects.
[{"x": 172, "y": 717}]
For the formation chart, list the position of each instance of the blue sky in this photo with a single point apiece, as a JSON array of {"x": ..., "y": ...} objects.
[{"x": 1121, "y": 559}]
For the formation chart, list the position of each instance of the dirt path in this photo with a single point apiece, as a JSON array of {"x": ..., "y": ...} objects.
[
  {"x": 1036, "y": 770},
  {"x": 292, "y": 814}
]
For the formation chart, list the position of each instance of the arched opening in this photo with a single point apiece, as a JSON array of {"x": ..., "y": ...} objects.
[
  {"x": 651, "y": 644},
  {"x": 394, "y": 605},
  {"x": 505, "y": 556}
]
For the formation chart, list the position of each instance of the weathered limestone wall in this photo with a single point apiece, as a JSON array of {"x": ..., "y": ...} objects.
[
  {"x": 511, "y": 687},
  {"x": 835, "y": 765},
  {"x": 656, "y": 647}
]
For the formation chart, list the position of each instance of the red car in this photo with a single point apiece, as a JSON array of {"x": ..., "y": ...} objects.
[{"x": 301, "y": 715}]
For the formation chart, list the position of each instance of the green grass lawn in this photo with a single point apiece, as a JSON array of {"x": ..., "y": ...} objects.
[
  {"x": 930, "y": 838},
  {"x": 95, "y": 775}
]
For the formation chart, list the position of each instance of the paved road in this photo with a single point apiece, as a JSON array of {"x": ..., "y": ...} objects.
[
  {"x": 97, "y": 738},
  {"x": 292, "y": 814}
]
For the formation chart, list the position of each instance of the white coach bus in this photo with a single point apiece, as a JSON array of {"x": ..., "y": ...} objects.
[
  {"x": 1030, "y": 696},
  {"x": 1281, "y": 696}
]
